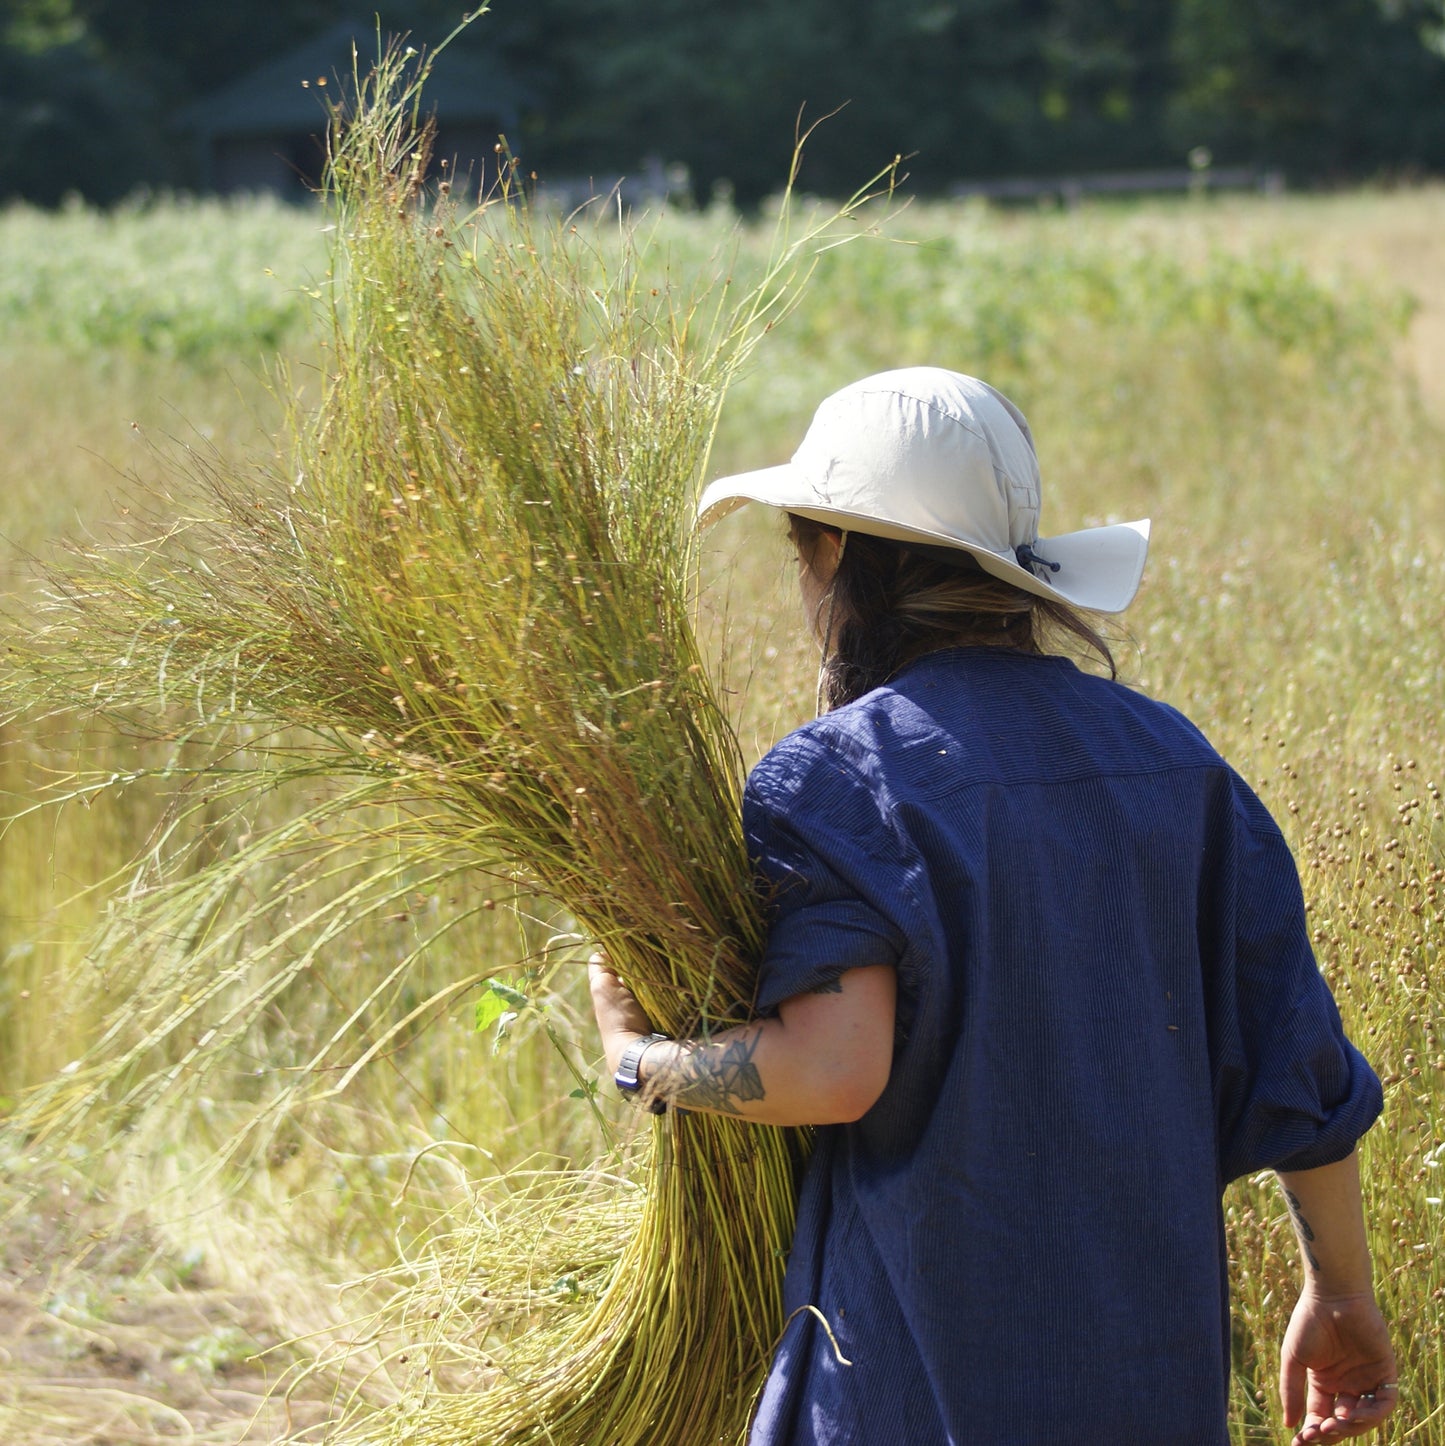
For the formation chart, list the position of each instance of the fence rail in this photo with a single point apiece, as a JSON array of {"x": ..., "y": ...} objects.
[{"x": 1072, "y": 189}]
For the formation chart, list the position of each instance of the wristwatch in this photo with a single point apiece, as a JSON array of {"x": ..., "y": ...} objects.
[{"x": 628, "y": 1084}]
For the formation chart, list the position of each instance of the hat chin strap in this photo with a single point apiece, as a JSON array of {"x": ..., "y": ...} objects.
[
  {"x": 826, "y": 645},
  {"x": 1030, "y": 561}
]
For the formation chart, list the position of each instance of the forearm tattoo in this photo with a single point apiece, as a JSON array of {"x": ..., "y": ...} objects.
[
  {"x": 702, "y": 1076},
  {"x": 1302, "y": 1228}
]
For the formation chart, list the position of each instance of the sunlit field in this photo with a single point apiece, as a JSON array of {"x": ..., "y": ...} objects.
[{"x": 1265, "y": 378}]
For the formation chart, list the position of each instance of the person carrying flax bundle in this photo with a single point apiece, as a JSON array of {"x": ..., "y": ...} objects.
[{"x": 1037, "y": 962}]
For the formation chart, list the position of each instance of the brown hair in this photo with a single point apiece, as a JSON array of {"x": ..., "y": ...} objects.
[{"x": 891, "y": 602}]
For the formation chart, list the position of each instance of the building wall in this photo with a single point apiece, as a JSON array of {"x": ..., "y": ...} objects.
[
  {"x": 289, "y": 164},
  {"x": 282, "y": 164}
]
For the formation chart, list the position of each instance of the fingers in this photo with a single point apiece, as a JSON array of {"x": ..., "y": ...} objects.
[
  {"x": 1292, "y": 1380},
  {"x": 1320, "y": 1402},
  {"x": 601, "y": 977},
  {"x": 1348, "y": 1416},
  {"x": 609, "y": 993},
  {"x": 1319, "y": 1411},
  {"x": 1361, "y": 1414},
  {"x": 617, "y": 1009}
]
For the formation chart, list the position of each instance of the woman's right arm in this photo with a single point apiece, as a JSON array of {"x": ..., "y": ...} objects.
[{"x": 824, "y": 1059}]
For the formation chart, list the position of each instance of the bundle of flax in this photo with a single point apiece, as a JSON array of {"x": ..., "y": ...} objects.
[{"x": 472, "y": 595}]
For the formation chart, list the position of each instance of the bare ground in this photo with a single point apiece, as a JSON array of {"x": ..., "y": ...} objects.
[{"x": 104, "y": 1340}]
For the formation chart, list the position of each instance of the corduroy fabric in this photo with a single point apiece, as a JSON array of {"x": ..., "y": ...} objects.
[{"x": 1108, "y": 1008}]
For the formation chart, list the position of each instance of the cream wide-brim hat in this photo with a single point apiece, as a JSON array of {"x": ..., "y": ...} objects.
[{"x": 931, "y": 456}]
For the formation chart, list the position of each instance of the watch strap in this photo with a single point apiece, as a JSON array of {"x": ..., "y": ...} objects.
[{"x": 626, "y": 1080}]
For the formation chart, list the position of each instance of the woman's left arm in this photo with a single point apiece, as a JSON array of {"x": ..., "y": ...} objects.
[
  {"x": 1337, "y": 1367},
  {"x": 823, "y": 1060}
]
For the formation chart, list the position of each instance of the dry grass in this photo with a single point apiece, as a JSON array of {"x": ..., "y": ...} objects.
[
  {"x": 1385, "y": 237},
  {"x": 1293, "y": 607},
  {"x": 458, "y": 620}
]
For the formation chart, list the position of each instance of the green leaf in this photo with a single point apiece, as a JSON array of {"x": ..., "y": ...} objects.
[{"x": 497, "y": 998}]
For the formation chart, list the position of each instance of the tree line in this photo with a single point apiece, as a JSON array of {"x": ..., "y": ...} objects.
[{"x": 968, "y": 89}]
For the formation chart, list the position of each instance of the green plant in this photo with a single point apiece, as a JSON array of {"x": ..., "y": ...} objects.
[{"x": 462, "y": 618}]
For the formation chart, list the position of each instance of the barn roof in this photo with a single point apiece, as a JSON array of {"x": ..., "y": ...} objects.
[{"x": 284, "y": 94}]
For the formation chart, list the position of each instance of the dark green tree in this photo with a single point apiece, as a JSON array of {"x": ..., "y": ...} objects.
[
  {"x": 71, "y": 120},
  {"x": 1328, "y": 88},
  {"x": 87, "y": 87},
  {"x": 965, "y": 88}
]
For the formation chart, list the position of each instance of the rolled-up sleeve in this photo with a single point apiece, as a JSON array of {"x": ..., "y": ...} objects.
[
  {"x": 831, "y": 869},
  {"x": 1291, "y": 1091}
]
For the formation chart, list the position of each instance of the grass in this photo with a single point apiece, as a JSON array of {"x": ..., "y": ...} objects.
[
  {"x": 199, "y": 282},
  {"x": 1212, "y": 364},
  {"x": 457, "y": 614}
]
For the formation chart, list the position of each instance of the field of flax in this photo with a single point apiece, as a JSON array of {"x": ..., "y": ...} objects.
[{"x": 1260, "y": 377}]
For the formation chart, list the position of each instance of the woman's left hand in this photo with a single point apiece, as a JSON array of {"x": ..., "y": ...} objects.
[{"x": 620, "y": 1017}]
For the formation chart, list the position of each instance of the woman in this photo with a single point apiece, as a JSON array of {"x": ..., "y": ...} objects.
[{"x": 1037, "y": 959}]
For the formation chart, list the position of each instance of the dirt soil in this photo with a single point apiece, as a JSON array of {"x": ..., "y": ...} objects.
[{"x": 104, "y": 1340}]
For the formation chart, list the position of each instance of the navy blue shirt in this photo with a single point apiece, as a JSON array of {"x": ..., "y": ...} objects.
[{"x": 1108, "y": 1008}]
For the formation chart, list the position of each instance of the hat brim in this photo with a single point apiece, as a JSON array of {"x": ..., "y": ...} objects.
[{"x": 1099, "y": 567}]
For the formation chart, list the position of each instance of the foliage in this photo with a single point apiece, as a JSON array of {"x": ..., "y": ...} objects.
[
  {"x": 73, "y": 124},
  {"x": 1320, "y": 89},
  {"x": 467, "y": 601},
  {"x": 200, "y": 281},
  {"x": 973, "y": 88},
  {"x": 966, "y": 88},
  {"x": 994, "y": 305},
  {"x": 1210, "y": 363}
]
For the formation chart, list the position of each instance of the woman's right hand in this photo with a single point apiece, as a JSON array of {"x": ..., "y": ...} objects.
[{"x": 620, "y": 1018}]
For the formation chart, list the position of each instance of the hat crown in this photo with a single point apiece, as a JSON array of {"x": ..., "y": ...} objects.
[
  {"x": 927, "y": 449},
  {"x": 931, "y": 457}
]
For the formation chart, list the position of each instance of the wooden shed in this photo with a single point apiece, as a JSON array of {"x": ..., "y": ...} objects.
[{"x": 266, "y": 131}]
